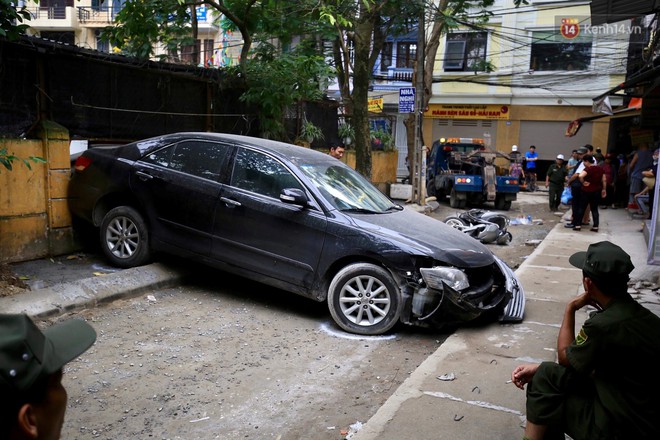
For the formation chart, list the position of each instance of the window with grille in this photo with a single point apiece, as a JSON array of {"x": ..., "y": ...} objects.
[
  {"x": 465, "y": 51},
  {"x": 551, "y": 51}
]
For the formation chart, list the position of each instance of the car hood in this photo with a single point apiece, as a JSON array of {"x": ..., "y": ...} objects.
[{"x": 426, "y": 236}]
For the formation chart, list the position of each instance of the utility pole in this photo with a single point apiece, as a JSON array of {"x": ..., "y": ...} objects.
[{"x": 418, "y": 171}]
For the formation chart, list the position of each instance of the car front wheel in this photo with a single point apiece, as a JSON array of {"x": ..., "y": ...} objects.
[
  {"x": 124, "y": 237},
  {"x": 364, "y": 299}
]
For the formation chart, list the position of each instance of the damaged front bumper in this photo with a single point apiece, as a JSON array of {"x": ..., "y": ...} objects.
[
  {"x": 515, "y": 309},
  {"x": 449, "y": 296}
]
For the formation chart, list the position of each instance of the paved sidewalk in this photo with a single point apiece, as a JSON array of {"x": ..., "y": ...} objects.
[
  {"x": 480, "y": 402},
  {"x": 88, "y": 292}
]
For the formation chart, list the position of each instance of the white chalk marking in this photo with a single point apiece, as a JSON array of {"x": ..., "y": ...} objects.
[{"x": 478, "y": 403}]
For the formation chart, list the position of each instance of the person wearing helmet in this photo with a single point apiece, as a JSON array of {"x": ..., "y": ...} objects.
[
  {"x": 555, "y": 179},
  {"x": 515, "y": 154}
]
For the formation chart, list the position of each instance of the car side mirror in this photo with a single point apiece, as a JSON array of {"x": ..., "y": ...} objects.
[{"x": 293, "y": 196}]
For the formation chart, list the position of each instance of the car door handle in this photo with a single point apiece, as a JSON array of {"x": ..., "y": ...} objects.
[
  {"x": 230, "y": 201},
  {"x": 143, "y": 176}
]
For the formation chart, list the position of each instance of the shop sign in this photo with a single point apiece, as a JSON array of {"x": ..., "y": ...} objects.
[
  {"x": 406, "y": 100},
  {"x": 375, "y": 105},
  {"x": 467, "y": 111}
]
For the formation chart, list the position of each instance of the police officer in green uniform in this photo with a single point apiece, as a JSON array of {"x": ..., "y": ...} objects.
[
  {"x": 555, "y": 179},
  {"x": 606, "y": 384}
]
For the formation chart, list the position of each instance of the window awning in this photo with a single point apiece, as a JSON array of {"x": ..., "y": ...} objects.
[
  {"x": 611, "y": 11},
  {"x": 633, "y": 109},
  {"x": 650, "y": 76}
]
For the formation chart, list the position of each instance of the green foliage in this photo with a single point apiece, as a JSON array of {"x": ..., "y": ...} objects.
[
  {"x": 12, "y": 20},
  {"x": 311, "y": 132},
  {"x": 482, "y": 66},
  {"x": 346, "y": 131},
  {"x": 142, "y": 24},
  {"x": 7, "y": 159},
  {"x": 277, "y": 82},
  {"x": 382, "y": 140}
]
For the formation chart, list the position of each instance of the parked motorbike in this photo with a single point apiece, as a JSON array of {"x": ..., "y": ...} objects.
[{"x": 485, "y": 226}]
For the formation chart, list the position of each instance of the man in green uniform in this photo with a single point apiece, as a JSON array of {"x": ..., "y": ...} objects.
[
  {"x": 32, "y": 396},
  {"x": 555, "y": 179},
  {"x": 606, "y": 384}
]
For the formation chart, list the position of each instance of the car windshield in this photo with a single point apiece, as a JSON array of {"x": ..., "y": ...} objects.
[{"x": 346, "y": 189}]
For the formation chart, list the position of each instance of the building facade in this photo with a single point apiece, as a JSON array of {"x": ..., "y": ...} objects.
[
  {"x": 81, "y": 22},
  {"x": 525, "y": 75},
  {"x": 520, "y": 78}
]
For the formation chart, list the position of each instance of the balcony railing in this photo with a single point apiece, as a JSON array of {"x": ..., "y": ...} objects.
[
  {"x": 404, "y": 74},
  {"x": 48, "y": 12},
  {"x": 98, "y": 15}
]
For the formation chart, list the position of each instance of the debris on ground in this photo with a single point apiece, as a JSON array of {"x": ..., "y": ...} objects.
[
  {"x": 353, "y": 429},
  {"x": 447, "y": 377},
  {"x": 526, "y": 220}
]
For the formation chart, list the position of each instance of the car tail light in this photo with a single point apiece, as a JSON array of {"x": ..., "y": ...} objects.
[{"x": 82, "y": 163}]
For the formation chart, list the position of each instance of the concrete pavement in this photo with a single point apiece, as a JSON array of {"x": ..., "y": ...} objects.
[{"x": 480, "y": 402}]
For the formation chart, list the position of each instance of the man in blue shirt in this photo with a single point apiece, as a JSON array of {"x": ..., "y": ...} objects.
[
  {"x": 530, "y": 164},
  {"x": 530, "y": 168}
]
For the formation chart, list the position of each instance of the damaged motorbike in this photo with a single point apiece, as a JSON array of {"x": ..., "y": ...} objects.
[{"x": 485, "y": 226}]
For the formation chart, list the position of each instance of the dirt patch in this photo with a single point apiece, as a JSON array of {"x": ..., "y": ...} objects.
[
  {"x": 10, "y": 283},
  {"x": 37, "y": 274}
]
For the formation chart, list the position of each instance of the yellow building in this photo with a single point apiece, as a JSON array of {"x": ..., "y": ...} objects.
[
  {"x": 80, "y": 22},
  {"x": 525, "y": 75}
]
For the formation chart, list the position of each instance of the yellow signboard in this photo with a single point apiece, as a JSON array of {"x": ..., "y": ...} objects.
[
  {"x": 376, "y": 105},
  {"x": 468, "y": 111}
]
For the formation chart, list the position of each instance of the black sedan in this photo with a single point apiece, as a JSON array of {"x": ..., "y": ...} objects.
[{"x": 292, "y": 218}]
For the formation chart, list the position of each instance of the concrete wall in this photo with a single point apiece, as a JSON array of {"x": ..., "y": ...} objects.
[
  {"x": 34, "y": 216},
  {"x": 383, "y": 167}
]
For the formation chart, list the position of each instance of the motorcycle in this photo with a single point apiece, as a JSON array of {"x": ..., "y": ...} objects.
[{"x": 482, "y": 225}]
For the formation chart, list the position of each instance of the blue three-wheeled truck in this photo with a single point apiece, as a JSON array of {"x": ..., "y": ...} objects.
[{"x": 464, "y": 170}]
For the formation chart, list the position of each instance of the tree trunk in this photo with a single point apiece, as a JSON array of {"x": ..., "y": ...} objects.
[
  {"x": 361, "y": 77},
  {"x": 431, "y": 51},
  {"x": 195, "y": 33}
]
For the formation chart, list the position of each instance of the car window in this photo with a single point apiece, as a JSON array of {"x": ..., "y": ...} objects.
[
  {"x": 160, "y": 157},
  {"x": 259, "y": 173},
  {"x": 199, "y": 158},
  {"x": 346, "y": 189}
]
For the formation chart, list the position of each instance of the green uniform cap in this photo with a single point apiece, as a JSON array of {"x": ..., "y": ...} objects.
[
  {"x": 603, "y": 261},
  {"x": 27, "y": 354}
]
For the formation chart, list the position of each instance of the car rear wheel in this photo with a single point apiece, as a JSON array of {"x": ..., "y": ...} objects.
[
  {"x": 124, "y": 237},
  {"x": 364, "y": 299}
]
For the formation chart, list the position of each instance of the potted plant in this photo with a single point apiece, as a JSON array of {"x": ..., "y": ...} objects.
[
  {"x": 346, "y": 133},
  {"x": 310, "y": 132},
  {"x": 381, "y": 140}
]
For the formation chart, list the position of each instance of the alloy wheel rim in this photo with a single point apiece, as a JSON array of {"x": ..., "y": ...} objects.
[
  {"x": 365, "y": 300},
  {"x": 122, "y": 237}
]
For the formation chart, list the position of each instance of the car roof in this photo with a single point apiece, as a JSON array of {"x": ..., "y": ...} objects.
[{"x": 286, "y": 151}]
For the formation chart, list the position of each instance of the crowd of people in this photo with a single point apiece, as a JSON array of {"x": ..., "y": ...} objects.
[{"x": 591, "y": 180}]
